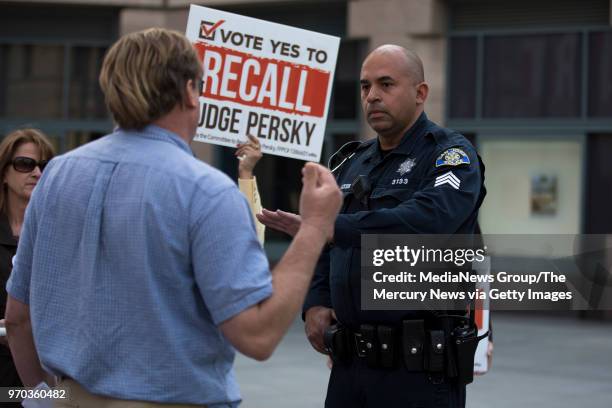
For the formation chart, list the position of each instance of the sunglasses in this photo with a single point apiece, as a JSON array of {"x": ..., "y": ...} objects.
[{"x": 27, "y": 164}]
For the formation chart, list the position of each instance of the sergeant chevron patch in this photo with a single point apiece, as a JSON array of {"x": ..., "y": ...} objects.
[{"x": 448, "y": 178}]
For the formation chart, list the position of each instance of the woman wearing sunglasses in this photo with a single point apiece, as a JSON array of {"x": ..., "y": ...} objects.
[{"x": 23, "y": 156}]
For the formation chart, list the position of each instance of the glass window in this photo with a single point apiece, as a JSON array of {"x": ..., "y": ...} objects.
[
  {"x": 76, "y": 138},
  {"x": 86, "y": 100},
  {"x": 282, "y": 183},
  {"x": 600, "y": 67},
  {"x": 55, "y": 137},
  {"x": 279, "y": 180},
  {"x": 532, "y": 76},
  {"x": 31, "y": 81},
  {"x": 344, "y": 100},
  {"x": 463, "y": 77},
  {"x": 341, "y": 139},
  {"x": 598, "y": 200},
  {"x": 345, "y": 93}
]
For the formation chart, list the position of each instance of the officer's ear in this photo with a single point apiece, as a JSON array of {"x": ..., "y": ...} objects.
[{"x": 422, "y": 90}]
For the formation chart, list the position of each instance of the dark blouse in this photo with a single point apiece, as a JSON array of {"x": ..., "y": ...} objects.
[{"x": 8, "y": 247}]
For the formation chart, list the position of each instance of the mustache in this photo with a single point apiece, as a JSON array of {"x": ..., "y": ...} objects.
[{"x": 375, "y": 108}]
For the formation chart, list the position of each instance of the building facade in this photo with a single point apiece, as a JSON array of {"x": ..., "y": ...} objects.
[{"x": 530, "y": 82}]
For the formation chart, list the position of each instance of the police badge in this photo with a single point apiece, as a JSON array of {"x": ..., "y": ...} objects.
[
  {"x": 406, "y": 166},
  {"x": 452, "y": 157}
]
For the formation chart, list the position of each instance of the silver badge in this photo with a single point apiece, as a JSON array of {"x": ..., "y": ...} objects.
[{"x": 406, "y": 166}]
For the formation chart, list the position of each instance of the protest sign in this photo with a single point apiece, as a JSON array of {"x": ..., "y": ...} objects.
[
  {"x": 481, "y": 361},
  {"x": 266, "y": 79}
]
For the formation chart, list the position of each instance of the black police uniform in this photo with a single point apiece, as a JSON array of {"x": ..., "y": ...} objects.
[{"x": 431, "y": 183}]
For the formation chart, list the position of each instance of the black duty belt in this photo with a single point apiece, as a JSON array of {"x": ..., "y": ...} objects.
[{"x": 447, "y": 351}]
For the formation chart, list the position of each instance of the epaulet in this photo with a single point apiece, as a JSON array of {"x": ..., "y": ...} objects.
[
  {"x": 440, "y": 135},
  {"x": 343, "y": 154}
]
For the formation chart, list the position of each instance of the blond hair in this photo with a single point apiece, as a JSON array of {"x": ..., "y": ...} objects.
[
  {"x": 9, "y": 146},
  {"x": 144, "y": 74}
]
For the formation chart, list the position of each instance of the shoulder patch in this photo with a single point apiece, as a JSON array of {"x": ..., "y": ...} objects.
[{"x": 452, "y": 157}]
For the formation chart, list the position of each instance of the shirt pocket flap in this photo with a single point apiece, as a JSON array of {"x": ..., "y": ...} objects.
[{"x": 400, "y": 194}]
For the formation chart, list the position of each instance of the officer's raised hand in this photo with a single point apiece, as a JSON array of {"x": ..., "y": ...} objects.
[
  {"x": 283, "y": 221},
  {"x": 320, "y": 200}
]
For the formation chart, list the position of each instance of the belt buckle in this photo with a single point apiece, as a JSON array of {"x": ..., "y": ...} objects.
[{"x": 360, "y": 345}]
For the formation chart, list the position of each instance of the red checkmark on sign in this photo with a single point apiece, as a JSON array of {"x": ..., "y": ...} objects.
[{"x": 208, "y": 31}]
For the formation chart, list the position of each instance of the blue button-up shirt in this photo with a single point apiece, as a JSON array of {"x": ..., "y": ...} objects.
[{"x": 132, "y": 252}]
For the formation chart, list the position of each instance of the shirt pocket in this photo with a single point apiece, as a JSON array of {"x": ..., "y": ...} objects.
[{"x": 384, "y": 197}]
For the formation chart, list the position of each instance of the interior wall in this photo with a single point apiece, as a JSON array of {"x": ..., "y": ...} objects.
[{"x": 510, "y": 167}]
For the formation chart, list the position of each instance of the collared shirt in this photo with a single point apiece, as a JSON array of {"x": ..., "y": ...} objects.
[{"x": 132, "y": 253}]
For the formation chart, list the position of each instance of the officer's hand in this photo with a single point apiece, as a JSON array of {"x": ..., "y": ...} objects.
[
  {"x": 318, "y": 318},
  {"x": 320, "y": 200},
  {"x": 286, "y": 222}
]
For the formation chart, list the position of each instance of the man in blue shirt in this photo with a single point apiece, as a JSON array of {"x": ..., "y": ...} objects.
[{"x": 139, "y": 270}]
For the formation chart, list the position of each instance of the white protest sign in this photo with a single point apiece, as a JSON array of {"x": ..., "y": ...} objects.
[
  {"x": 266, "y": 79},
  {"x": 481, "y": 361}
]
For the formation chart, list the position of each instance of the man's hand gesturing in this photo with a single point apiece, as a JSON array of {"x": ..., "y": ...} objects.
[{"x": 320, "y": 200}]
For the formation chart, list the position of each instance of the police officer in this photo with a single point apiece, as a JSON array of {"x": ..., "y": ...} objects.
[{"x": 415, "y": 177}]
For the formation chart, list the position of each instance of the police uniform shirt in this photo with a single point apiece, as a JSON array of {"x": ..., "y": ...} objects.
[{"x": 431, "y": 183}]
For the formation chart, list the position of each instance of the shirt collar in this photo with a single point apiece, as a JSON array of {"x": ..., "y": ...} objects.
[
  {"x": 409, "y": 140},
  {"x": 158, "y": 133},
  {"x": 413, "y": 135}
]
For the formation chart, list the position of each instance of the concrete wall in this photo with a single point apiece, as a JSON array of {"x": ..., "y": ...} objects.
[
  {"x": 512, "y": 165},
  {"x": 213, "y": 3},
  {"x": 416, "y": 24},
  {"x": 419, "y": 25},
  {"x": 133, "y": 19},
  {"x": 115, "y": 3}
]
